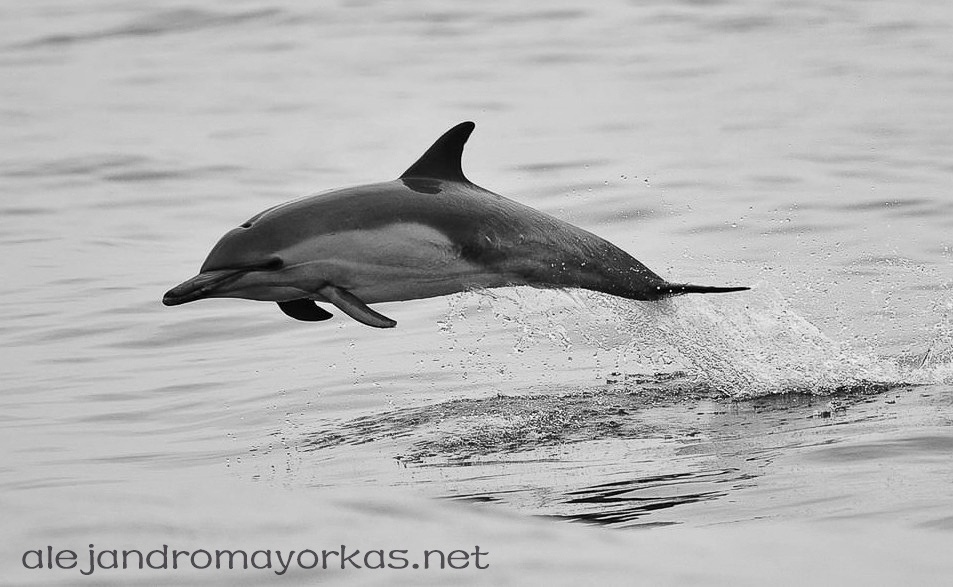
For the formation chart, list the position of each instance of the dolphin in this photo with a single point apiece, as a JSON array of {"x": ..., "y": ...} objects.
[{"x": 430, "y": 232}]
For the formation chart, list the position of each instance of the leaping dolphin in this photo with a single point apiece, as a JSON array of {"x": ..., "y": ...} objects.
[{"x": 430, "y": 232}]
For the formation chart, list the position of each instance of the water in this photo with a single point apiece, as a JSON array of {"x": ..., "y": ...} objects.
[{"x": 802, "y": 429}]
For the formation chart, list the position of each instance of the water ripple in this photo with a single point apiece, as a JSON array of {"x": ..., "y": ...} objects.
[{"x": 158, "y": 24}]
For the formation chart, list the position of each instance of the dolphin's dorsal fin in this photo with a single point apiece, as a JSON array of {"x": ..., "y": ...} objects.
[{"x": 442, "y": 159}]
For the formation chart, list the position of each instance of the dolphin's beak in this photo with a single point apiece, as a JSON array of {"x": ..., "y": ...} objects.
[{"x": 200, "y": 286}]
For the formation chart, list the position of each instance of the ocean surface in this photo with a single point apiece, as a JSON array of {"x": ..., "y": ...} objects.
[{"x": 798, "y": 433}]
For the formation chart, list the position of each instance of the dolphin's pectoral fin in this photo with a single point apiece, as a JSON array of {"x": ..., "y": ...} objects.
[
  {"x": 354, "y": 307},
  {"x": 305, "y": 310}
]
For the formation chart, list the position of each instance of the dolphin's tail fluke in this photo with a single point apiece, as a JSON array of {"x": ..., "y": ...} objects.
[{"x": 675, "y": 289}]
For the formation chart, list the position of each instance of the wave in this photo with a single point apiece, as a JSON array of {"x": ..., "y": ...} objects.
[{"x": 159, "y": 23}]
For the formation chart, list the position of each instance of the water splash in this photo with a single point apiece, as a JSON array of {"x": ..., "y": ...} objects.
[
  {"x": 762, "y": 347},
  {"x": 935, "y": 365},
  {"x": 746, "y": 345}
]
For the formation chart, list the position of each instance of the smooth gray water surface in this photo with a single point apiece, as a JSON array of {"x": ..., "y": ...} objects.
[{"x": 800, "y": 432}]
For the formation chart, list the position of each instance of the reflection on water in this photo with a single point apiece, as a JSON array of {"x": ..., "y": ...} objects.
[
  {"x": 621, "y": 502},
  {"x": 687, "y": 444},
  {"x": 802, "y": 148}
]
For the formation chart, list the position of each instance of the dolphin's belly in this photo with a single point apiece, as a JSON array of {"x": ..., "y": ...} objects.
[
  {"x": 396, "y": 262},
  {"x": 414, "y": 287}
]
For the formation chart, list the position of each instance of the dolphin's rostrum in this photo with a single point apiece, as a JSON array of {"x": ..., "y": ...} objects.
[{"x": 431, "y": 232}]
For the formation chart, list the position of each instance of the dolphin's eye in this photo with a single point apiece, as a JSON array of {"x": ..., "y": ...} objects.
[{"x": 273, "y": 264}]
